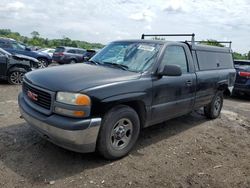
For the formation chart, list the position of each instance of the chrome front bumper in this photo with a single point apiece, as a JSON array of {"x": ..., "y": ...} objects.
[{"x": 82, "y": 139}]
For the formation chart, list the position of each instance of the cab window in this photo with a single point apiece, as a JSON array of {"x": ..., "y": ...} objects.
[{"x": 175, "y": 55}]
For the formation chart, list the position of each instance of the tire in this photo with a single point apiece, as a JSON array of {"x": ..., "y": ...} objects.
[
  {"x": 212, "y": 111},
  {"x": 118, "y": 133},
  {"x": 42, "y": 63},
  {"x": 72, "y": 61},
  {"x": 15, "y": 77}
]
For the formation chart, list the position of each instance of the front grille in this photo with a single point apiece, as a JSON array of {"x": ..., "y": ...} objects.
[{"x": 43, "y": 98}]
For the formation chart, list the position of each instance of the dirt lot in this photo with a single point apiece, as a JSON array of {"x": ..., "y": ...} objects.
[{"x": 185, "y": 152}]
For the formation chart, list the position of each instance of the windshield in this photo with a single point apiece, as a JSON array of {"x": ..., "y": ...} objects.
[
  {"x": 135, "y": 56},
  {"x": 18, "y": 46}
]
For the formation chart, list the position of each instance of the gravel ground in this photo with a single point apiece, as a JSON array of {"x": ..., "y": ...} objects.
[{"x": 189, "y": 151}]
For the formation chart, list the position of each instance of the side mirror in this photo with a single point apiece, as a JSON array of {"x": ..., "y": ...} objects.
[{"x": 170, "y": 70}]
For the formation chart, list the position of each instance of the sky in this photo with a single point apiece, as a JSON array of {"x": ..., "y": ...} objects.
[{"x": 108, "y": 20}]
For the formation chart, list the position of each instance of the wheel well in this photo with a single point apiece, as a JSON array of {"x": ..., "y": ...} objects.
[
  {"x": 45, "y": 58},
  {"x": 138, "y": 106},
  {"x": 227, "y": 92},
  {"x": 223, "y": 87},
  {"x": 18, "y": 66}
]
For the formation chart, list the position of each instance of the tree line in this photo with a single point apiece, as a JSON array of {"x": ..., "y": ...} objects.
[
  {"x": 236, "y": 55},
  {"x": 38, "y": 41}
]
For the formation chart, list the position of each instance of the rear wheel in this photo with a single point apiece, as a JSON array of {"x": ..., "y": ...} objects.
[
  {"x": 213, "y": 110},
  {"x": 42, "y": 63},
  {"x": 16, "y": 77},
  {"x": 119, "y": 132}
]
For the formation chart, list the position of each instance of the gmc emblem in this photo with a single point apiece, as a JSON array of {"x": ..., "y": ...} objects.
[{"x": 32, "y": 95}]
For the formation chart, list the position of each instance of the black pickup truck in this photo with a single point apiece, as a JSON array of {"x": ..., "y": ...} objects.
[{"x": 131, "y": 84}]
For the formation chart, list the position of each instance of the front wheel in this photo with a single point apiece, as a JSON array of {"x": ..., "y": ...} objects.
[
  {"x": 16, "y": 77},
  {"x": 212, "y": 111},
  {"x": 119, "y": 131},
  {"x": 42, "y": 63}
]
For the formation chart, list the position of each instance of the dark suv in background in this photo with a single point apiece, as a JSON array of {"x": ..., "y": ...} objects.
[
  {"x": 68, "y": 55},
  {"x": 242, "y": 82},
  {"x": 14, "y": 47}
]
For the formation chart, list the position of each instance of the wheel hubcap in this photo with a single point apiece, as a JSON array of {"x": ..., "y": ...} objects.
[
  {"x": 16, "y": 77},
  {"x": 42, "y": 64},
  {"x": 121, "y": 133},
  {"x": 217, "y": 105}
]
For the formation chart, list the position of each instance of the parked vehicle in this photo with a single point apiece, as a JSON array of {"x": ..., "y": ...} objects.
[
  {"x": 242, "y": 82},
  {"x": 103, "y": 104},
  {"x": 68, "y": 55},
  {"x": 14, "y": 47},
  {"x": 88, "y": 54},
  {"x": 49, "y": 51},
  {"x": 13, "y": 67}
]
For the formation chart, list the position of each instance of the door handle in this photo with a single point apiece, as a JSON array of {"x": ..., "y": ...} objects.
[{"x": 189, "y": 83}]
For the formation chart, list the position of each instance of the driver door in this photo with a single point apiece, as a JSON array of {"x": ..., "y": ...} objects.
[{"x": 173, "y": 95}]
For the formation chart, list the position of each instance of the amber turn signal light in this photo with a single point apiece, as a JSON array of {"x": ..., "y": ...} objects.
[{"x": 83, "y": 100}]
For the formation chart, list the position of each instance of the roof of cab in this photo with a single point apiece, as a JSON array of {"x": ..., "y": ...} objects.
[
  {"x": 199, "y": 47},
  {"x": 143, "y": 41}
]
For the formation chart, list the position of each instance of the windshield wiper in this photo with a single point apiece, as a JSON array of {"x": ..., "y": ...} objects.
[
  {"x": 93, "y": 62},
  {"x": 123, "y": 67}
]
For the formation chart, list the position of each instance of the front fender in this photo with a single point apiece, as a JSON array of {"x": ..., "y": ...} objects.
[
  {"x": 19, "y": 68},
  {"x": 126, "y": 97},
  {"x": 44, "y": 55},
  {"x": 139, "y": 101}
]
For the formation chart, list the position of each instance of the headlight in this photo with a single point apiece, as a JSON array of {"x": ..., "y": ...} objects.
[
  {"x": 72, "y": 104},
  {"x": 73, "y": 98}
]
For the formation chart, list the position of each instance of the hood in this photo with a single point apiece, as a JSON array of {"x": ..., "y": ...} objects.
[
  {"x": 77, "y": 77},
  {"x": 24, "y": 57},
  {"x": 38, "y": 53},
  {"x": 41, "y": 53}
]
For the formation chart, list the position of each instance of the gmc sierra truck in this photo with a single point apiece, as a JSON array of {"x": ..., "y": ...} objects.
[{"x": 102, "y": 105}]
